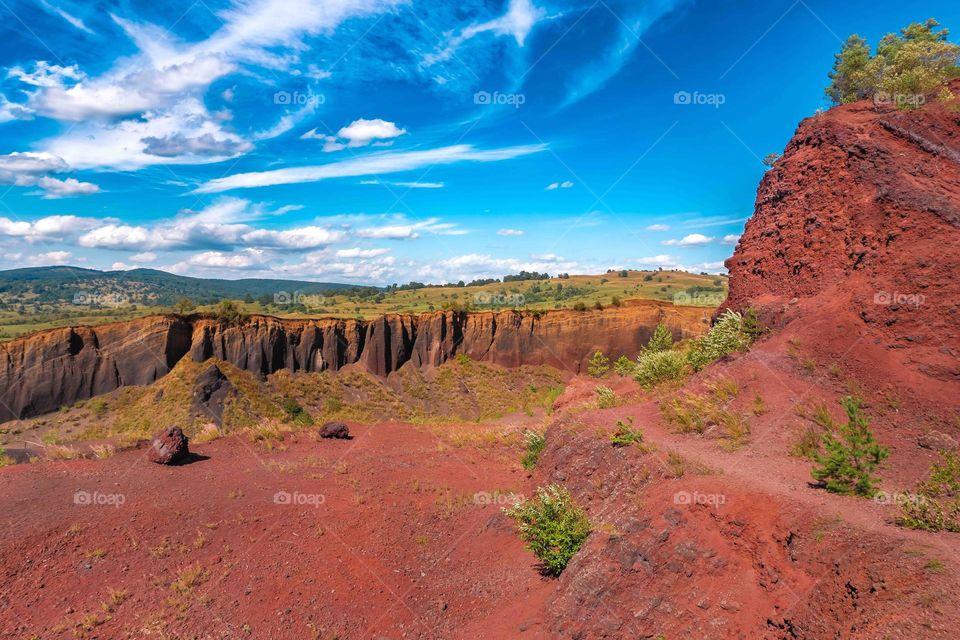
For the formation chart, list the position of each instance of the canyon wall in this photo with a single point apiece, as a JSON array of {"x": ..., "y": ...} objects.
[{"x": 58, "y": 367}]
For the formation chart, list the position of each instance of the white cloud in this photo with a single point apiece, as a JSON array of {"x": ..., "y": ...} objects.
[
  {"x": 548, "y": 257},
  {"x": 509, "y": 232},
  {"x": 361, "y": 253},
  {"x": 13, "y": 111},
  {"x": 658, "y": 227},
  {"x": 407, "y": 185},
  {"x": 73, "y": 20},
  {"x": 300, "y": 238},
  {"x": 122, "y": 266},
  {"x": 359, "y": 133},
  {"x": 691, "y": 240},
  {"x": 410, "y": 231},
  {"x": 245, "y": 259},
  {"x": 731, "y": 238},
  {"x": 24, "y": 168},
  {"x": 50, "y": 228},
  {"x": 50, "y": 258},
  {"x": 145, "y": 256},
  {"x": 662, "y": 260},
  {"x": 518, "y": 21},
  {"x": 374, "y": 164},
  {"x": 553, "y": 186},
  {"x": 54, "y": 188}
]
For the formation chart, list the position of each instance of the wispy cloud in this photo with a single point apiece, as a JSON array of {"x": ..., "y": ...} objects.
[{"x": 374, "y": 164}]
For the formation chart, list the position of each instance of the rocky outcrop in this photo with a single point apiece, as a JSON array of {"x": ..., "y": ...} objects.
[
  {"x": 57, "y": 367},
  {"x": 335, "y": 431},
  {"x": 210, "y": 394},
  {"x": 856, "y": 237}
]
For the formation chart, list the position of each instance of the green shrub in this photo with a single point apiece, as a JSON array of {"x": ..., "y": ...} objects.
[
  {"x": 579, "y": 306},
  {"x": 908, "y": 67},
  {"x": 606, "y": 397},
  {"x": 553, "y": 526},
  {"x": 850, "y": 456},
  {"x": 98, "y": 407},
  {"x": 296, "y": 413},
  {"x": 661, "y": 340},
  {"x": 654, "y": 367},
  {"x": 599, "y": 365},
  {"x": 936, "y": 505},
  {"x": 624, "y": 366},
  {"x": 625, "y": 435},
  {"x": 536, "y": 443},
  {"x": 730, "y": 333},
  {"x": 462, "y": 359}
]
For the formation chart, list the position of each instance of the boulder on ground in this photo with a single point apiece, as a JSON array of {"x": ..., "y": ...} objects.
[
  {"x": 169, "y": 447},
  {"x": 338, "y": 430},
  {"x": 937, "y": 441}
]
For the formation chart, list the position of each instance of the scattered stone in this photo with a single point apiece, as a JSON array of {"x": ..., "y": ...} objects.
[
  {"x": 937, "y": 441},
  {"x": 169, "y": 447},
  {"x": 335, "y": 430}
]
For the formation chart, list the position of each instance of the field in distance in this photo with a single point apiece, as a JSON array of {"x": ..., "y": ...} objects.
[{"x": 27, "y": 312}]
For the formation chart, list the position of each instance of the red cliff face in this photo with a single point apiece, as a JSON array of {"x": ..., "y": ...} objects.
[
  {"x": 58, "y": 367},
  {"x": 857, "y": 232}
]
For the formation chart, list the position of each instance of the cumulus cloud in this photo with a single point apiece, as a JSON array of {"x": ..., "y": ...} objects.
[
  {"x": 356, "y": 252},
  {"x": 145, "y": 256},
  {"x": 50, "y": 258},
  {"x": 359, "y": 133},
  {"x": 374, "y": 164},
  {"x": 731, "y": 238},
  {"x": 207, "y": 144},
  {"x": 54, "y": 188},
  {"x": 509, "y": 232},
  {"x": 47, "y": 229},
  {"x": 691, "y": 240}
]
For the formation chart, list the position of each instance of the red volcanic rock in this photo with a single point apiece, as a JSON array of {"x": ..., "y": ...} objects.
[
  {"x": 57, "y": 367},
  {"x": 169, "y": 447},
  {"x": 855, "y": 240},
  {"x": 335, "y": 430}
]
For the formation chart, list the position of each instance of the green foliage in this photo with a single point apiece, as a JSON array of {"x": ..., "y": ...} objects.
[
  {"x": 850, "y": 456},
  {"x": 907, "y": 68},
  {"x": 536, "y": 443},
  {"x": 936, "y": 504},
  {"x": 654, "y": 367},
  {"x": 296, "y": 413},
  {"x": 599, "y": 365},
  {"x": 732, "y": 332},
  {"x": 606, "y": 397},
  {"x": 661, "y": 340},
  {"x": 624, "y": 366},
  {"x": 184, "y": 306},
  {"x": 553, "y": 526},
  {"x": 463, "y": 359},
  {"x": 98, "y": 407},
  {"x": 579, "y": 306},
  {"x": 229, "y": 311},
  {"x": 625, "y": 435}
]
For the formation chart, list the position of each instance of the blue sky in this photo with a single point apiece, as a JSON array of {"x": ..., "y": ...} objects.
[{"x": 379, "y": 141}]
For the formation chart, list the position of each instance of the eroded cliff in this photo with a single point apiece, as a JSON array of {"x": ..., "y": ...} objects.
[{"x": 57, "y": 367}]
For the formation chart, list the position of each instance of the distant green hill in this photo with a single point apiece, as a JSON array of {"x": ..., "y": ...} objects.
[{"x": 51, "y": 285}]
